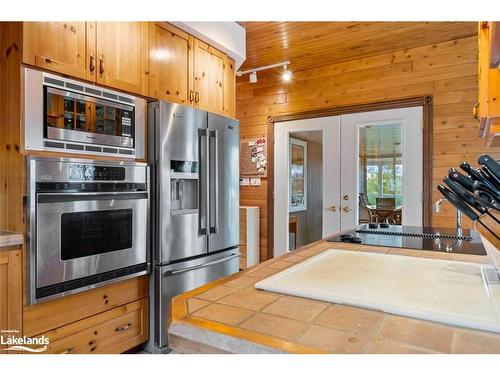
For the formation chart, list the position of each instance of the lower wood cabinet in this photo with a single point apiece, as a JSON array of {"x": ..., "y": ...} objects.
[
  {"x": 113, "y": 331},
  {"x": 60, "y": 312},
  {"x": 11, "y": 302}
]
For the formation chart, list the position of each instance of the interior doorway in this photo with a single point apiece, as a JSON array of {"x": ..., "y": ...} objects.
[
  {"x": 371, "y": 169},
  {"x": 305, "y": 220}
]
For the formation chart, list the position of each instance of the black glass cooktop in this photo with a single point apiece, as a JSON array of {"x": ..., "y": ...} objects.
[{"x": 419, "y": 238}]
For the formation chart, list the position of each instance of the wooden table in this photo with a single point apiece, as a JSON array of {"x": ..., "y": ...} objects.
[{"x": 383, "y": 213}]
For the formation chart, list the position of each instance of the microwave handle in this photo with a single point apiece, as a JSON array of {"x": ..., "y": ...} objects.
[{"x": 72, "y": 197}]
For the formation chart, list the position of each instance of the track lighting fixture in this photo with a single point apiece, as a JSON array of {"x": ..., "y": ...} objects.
[{"x": 286, "y": 75}]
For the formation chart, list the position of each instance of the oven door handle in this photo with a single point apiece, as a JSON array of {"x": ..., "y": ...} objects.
[{"x": 72, "y": 197}]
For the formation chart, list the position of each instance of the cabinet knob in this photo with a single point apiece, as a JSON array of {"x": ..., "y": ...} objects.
[
  {"x": 345, "y": 197},
  {"x": 67, "y": 351},
  {"x": 191, "y": 96},
  {"x": 197, "y": 97},
  {"x": 346, "y": 209},
  {"x": 332, "y": 208}
]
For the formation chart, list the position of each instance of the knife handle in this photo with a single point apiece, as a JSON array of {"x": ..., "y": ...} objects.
[
  {"x": 465, "y": 181},
  {"x": 470, "y": 171},
  {"x": 459, "y": 204},
  {"x": 464, "y": 194},
  {"x": 491, "y": 163},
  {"x": 490, "y": 176}
]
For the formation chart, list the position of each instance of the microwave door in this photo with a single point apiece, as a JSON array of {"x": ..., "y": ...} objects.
[
  {"x": 224, "y": 183},
  {"x": 180, "y": 144}
]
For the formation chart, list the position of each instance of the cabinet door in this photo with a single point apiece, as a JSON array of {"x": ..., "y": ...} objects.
[
  {"x": 10, "y": 292},
  {"x": 56, "y": 46},
  {"x": 170, "y": 64},
  {"x": 122, "y": 55},
  {"x": 483, "y": 68},
  {"x": 229, "y": 88},
  {"x": 208, "y": 77}
]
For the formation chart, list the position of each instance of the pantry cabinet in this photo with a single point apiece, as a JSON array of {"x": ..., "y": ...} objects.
[
  {"x": 11, "y": 303},
  {"x": 487, "y": 110},
  {"x": 56, "y": 46},
  {"x": 170, "y": 64},
  {"x": 121, "y": 53}
]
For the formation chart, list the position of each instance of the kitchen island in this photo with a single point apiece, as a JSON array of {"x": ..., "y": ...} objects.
[{"x": 231, "y": 316}]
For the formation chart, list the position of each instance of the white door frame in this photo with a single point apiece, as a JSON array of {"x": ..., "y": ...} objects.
[
  {"x": 412, "y": 144},
  {"x": 330, "y": 127}
]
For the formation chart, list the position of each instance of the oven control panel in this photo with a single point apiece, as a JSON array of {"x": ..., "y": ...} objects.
[{"x": 80, "y": 172}]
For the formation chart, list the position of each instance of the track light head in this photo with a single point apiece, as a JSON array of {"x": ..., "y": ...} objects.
[
  {"x": 287, "y": 75},
  {"x": 253, "y": 77}
]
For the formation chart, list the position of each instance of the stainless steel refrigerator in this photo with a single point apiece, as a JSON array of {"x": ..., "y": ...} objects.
[{"x": 194, "y": 159}]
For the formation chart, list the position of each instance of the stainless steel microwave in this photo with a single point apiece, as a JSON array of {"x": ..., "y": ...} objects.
[{"x": 65, "y": 115}]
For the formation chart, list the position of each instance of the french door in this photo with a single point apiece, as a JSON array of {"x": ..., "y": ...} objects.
[{"x": 377, "y": 154}]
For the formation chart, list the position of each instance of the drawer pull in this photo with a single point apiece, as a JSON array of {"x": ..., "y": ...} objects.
[
  {"x": 67, "y": 351},
  {"x": 123, "y": 328}
]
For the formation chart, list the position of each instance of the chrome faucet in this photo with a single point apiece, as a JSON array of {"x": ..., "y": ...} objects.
[{"x": 437, "y": 208}]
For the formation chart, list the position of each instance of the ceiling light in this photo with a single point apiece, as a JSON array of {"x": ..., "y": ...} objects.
[
  {"x": 287, "y": 75},
  {"x": 253, "y": 77}
]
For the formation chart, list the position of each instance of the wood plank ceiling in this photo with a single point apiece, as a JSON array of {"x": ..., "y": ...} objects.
[{"x": 310, "y": 44}]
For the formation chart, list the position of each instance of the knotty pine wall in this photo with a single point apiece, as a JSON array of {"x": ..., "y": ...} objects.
[{"x": 447, "y": 71}]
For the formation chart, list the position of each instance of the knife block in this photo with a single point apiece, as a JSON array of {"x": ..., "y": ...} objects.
[{"x": 490, "y": 242}]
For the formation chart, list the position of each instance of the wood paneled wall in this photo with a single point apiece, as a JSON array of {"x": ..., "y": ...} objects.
[
  {"x": 447, "y": 71},
  {"x": 11, "y": 212}
]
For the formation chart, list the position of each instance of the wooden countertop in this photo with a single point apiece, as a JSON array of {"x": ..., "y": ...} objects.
[
  {"x": 8, "y": 239},
  {"x": 231, "y": 316}
]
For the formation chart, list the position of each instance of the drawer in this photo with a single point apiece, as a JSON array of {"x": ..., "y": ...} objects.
[
  {"x": 113, "y": 331},
  {"x": 50, "y": 315}
]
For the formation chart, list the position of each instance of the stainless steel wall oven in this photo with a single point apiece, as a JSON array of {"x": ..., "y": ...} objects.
[
  {"x": 70, "y": 116},
  {"x": 88, "y": 224}
]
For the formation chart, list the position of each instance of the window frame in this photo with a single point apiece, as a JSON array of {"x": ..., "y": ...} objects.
[{"x": 303, "y": 144}]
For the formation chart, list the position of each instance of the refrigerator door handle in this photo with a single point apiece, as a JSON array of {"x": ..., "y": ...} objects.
[
  {"x": 214, "y": 225},
  {"x": 198, "y": 266},
  {"x": 204, "y": 182}
]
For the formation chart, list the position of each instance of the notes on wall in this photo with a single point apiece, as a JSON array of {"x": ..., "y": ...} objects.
[{"x": 253, "y": 157}]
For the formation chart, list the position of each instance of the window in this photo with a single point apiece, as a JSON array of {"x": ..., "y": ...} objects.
[
  {"x": 297, "y": 175},
  {"x": 388, "y": 183}
]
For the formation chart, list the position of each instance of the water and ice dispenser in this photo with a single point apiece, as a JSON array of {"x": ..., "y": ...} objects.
[{"x": 183, "y": 187}]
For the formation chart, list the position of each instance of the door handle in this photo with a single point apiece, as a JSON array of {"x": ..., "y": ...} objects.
[
  {"x": 101, "y": 65},
  {"x": 92, "y": 63},
  {"x": 332, "y": 208},
  {"x": 215, "y": 184},
  {"x": 203, "y": 182},
  {"x": 198, "y": 266},
  {"x": 346, "y": 209}
]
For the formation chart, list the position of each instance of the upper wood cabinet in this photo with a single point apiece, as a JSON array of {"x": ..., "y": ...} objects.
[
  {"x": 208, "y": 77},
  {"x": 56, "y": 46},
  {"x": 229, "y": 87},
  {"x": 121, "y": 53},
  {"x": 152, "y": 59},
  {"x": 170, "y": 64},
  {"x": 11, "y": 291},
  {"x": 487, "y": 110}
]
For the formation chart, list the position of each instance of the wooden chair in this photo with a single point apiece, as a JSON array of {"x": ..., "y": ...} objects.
[{"x": 366, "y": 215}]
